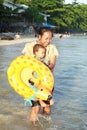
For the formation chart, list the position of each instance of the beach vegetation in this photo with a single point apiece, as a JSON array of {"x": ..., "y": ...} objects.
[{"x": 66, "y": 17}]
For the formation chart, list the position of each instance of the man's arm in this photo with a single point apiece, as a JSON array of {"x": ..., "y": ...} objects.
[{"x": 52, "y": 63}]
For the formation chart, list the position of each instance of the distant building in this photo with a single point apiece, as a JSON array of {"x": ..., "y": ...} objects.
[{"x": 14, "y": 6}]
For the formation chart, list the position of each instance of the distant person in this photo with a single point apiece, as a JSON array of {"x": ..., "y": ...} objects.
[{"x": 17, "y": 36}]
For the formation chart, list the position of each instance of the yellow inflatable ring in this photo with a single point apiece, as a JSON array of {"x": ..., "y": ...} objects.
[{"x": 23, "y": 71}]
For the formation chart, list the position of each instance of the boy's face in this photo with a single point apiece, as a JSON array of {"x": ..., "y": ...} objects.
[{"x": 40, "y": 53}]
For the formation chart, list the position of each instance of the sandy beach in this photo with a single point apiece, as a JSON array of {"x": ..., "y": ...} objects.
[{"x": 23, "y": 38}]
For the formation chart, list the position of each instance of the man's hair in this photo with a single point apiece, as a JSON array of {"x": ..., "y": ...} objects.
[{"x": 42, "y": 30}]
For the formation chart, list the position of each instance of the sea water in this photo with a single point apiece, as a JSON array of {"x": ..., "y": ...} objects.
[{"x": 70, "y": 94}]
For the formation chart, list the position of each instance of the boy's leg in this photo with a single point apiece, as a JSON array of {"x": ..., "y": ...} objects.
[
  {"x": 47, "y": 108},
  {"x": 42, "y": 103}
]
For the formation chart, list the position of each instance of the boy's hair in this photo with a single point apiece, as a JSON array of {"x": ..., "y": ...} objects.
[{"x": 37, "y": 46}]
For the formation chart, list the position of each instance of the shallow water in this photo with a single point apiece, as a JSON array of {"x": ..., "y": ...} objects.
[{"x": 70, "y": 94}]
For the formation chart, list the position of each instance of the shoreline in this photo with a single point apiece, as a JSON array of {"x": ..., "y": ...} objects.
[
  {"x": 29, "y": 38},
  {"x": 24, "y": 38}
]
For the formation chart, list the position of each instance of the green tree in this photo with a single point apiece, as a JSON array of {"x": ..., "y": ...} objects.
[
  {"x": 1, "y": 2},
  {"x": 83, "y": 17},
  {"x": 20, "y": 1},
  {"x": 53, "y": 8},
  {"x": 70, "y": 17},
  {"x": 32, "y": 15}
]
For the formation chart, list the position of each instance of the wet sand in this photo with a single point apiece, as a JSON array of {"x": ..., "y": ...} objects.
[{"x": 23, "y": 38}]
